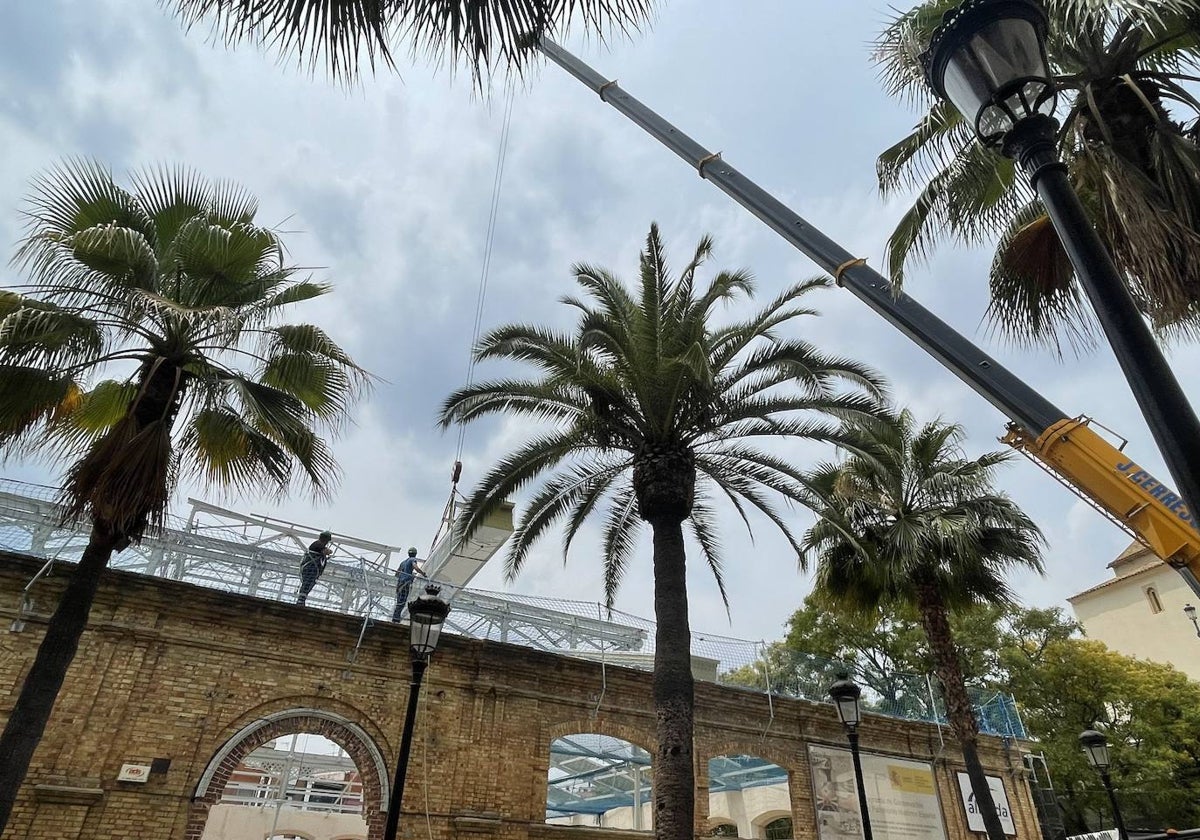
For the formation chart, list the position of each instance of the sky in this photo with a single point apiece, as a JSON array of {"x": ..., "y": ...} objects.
[{"x": 384, "y": 189}]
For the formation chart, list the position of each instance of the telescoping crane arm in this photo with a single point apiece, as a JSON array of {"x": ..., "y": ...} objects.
[{"x": 1068, "y": 448}]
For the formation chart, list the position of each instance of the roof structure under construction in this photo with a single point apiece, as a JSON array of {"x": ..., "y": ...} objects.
[{"x": 258, "y": 556}]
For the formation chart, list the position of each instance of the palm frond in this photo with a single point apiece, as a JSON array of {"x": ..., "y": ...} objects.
[
  {"x": 343, "y": 35},
  {"x": 29, "y": 399},
  {"x": 1117, "y": 65},
  {"x": 703, "y": 526},
  {"x": 1035, "y": 299},
  {"x": 646, "y": 384},
  {"x": 908, "y": 511},
  {"x": 174, "y": 276}
]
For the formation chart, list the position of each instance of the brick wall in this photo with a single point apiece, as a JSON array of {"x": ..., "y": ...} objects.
[{"x": 168, "y": 670}]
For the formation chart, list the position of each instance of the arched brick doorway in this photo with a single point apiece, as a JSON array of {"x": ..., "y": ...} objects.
[{"x": 343, "y": 732}]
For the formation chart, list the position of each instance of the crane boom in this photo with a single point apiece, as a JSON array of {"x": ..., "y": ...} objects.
[{"x": 1069, "y": 448}]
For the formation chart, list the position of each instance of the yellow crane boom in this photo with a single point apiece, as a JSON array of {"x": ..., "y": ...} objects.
[{"x": 1115, "y": 484}]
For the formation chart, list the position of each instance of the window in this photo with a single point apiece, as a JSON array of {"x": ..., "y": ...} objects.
[
  {"x": 600, "y": 780},
  {"x": 1152, "y": 597},
  {"x": 749, "y": 790},
  {"x": 780, "y": 829}
]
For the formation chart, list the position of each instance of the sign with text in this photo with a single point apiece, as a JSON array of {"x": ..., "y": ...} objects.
[
  {"x": 901, "y": 796},
  {"x": 134, "y": 773},
  {"x": 1107, "y": 834},
  {"x": 999, "y": 796}
]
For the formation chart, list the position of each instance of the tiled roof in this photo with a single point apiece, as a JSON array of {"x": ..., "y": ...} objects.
[{"x": 1113, "y": 580}]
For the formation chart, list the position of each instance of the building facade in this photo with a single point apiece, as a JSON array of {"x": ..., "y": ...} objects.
[
  {"x": 176, "y": 687},
  {"x": 1140, "y": 611}
]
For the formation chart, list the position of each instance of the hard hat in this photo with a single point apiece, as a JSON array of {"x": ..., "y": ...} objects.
[
  {"x": 412, "y": 552},
  {"x": 325, "y": 535}
]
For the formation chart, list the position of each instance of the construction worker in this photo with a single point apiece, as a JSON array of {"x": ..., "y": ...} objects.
[
  {"x": 405, "y": 574},
  {"x": 313, "y": 564}
]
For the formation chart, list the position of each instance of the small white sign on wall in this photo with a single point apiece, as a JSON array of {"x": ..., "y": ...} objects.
[
  {"x": 999, "y": 796},
  {"x": 1106, "y": 834},
  {"x": 134, "y": 773}
]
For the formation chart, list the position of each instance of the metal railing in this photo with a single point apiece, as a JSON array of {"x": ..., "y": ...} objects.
[{"x": 260, "y": 557}]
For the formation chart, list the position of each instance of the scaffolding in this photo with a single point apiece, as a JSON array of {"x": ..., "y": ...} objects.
[{"x": 259, "y": 556}]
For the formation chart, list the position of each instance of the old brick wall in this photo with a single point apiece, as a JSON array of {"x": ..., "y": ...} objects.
[{"x": 168, "y": 670}]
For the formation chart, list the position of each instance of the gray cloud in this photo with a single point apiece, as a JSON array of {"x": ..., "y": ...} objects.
[{"x": 386, "y": 188}]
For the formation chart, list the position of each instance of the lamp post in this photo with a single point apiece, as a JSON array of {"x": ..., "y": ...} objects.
[
  {"x": 1095, "y": 746},
  {"x": 988, "y": 59},
  {"x": 1190, "y": 612},
  {"x": 845, "y": 694},
  {"x": 425, "y": 615}
]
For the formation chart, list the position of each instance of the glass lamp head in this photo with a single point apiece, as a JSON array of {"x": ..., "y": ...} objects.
[
  {"x": 846, "y": 693},
  {"x": 988, "y": 59},
  {"x": 426, "y": 615},
  {"x": 1095, "y": 747}
]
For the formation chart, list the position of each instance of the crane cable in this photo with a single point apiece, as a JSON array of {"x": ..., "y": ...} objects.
[{"x": 480, "y": 298}]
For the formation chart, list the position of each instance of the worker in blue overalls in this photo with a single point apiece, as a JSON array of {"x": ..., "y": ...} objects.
[
  {"x": 405, "y": 574},
  {"x": 312, "y": 565}
]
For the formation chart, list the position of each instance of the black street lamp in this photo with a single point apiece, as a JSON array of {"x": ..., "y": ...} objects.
[
  {"x": 1190, "y": 612},
  {"x": 988, "y": 59},
  {"x": 845, "y": 694},
  {"x": 1095, "y": 746},
  {"x": 425, "y": 615}
]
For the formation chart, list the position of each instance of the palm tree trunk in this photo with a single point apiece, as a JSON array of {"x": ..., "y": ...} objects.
[
  {"x": 674, "y": 693},
  {"x": 36, "y": 701},
  {"x": 936, "y": 622}
]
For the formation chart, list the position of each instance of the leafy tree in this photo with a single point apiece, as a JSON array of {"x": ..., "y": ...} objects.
[
  {"x": 1150, "y": 712},
  {"x": 1063, "y": 685},
  {"x": 913, "y": 522},
  {"x": 339, "y": 33},
  {"x": 650, "y": 413},
  {"x": 171, "y": 289},
  {"x": 885, "y": 652},
  {"x": 1129, "y": 136}
]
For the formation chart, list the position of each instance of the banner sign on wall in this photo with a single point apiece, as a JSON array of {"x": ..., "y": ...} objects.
[
  {"x": 999, "y": 796},
  {"x": 901, "y": 796}
]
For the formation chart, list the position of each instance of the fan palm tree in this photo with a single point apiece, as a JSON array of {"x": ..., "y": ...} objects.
[
  {"x": 340, "y": 33},
  {"x": 1129, "y": 136},
  {"x": 147, "y": 347},
  {"x": 649, "y": 412},
  {"x": 915, "y": 524}
]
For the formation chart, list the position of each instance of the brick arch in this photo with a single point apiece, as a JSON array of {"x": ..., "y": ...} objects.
[
  {"x": 594, "y": 725},
  {"x": 368, "y": 760},
  {"x": 600, "y": 725},
  {"x": 710, "y": 748},
  {"x": 711, "y": 824},
  {"x": 779, "y": 755}
]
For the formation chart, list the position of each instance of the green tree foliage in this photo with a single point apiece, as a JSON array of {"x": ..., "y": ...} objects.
[
  {"x": 1063, "y": 684},
  {"x": 1150, "y": 712},
  {"x": 909, "y": 521},
  {"x": 885, "y": 652},
  {"x": 147, "y": 346},
  {"x": 650, "y": 412},
  {"x": 1129, "y": 136},
  {"x": 340, "y": 34}
]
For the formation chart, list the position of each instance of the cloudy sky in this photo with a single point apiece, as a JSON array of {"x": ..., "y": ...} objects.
[{"x": 385, "y": 189}]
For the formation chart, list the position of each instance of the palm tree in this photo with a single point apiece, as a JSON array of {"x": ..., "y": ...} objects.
[
  {"x": 172, "y": 290},
  {"x": 913, "y": 523},
  {"x": 649, "y": 411},
  {"x": 1129, "y": 135},
  {"x": 339, "y": 33}
]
